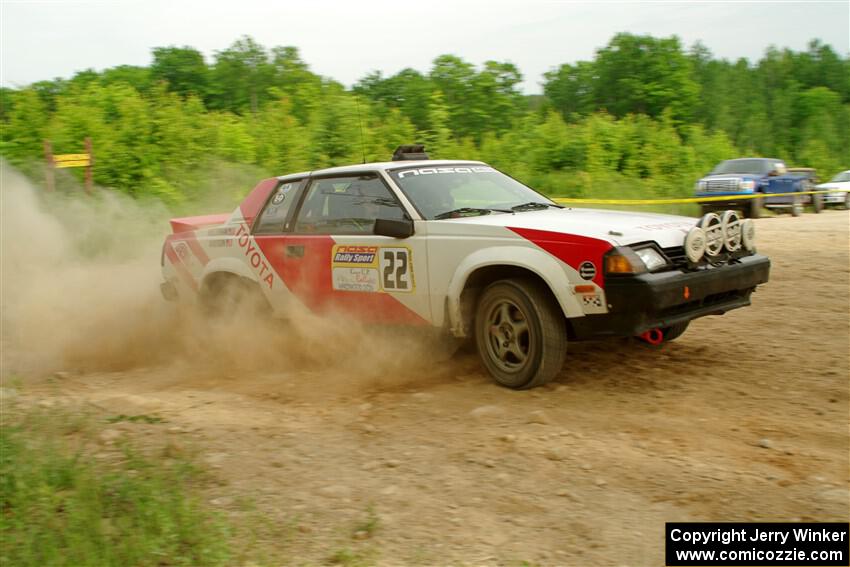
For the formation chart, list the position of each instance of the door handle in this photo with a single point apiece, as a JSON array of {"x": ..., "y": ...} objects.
[{"x": 294, "y": 251}]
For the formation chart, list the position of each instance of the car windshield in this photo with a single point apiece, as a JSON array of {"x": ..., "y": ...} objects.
[
  {"x": 843, "y": 176},
  {"x": 465, "y": 189},
  {"x": 754, "y": 166}
]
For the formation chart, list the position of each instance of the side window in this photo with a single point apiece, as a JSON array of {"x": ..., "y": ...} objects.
[
  {"x": 273, "y": 218},
  {"x": 346, "y": 205}
]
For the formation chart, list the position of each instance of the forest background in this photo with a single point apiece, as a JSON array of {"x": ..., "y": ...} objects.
[{"x": 645, "y": 118}]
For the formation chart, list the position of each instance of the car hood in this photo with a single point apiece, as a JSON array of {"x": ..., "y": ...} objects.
[
  {"x": 834, "y": 185},
  {"x": 617, "y": 227}
]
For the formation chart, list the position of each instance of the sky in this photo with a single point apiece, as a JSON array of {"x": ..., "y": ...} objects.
[{"x": 345, "y": 40}]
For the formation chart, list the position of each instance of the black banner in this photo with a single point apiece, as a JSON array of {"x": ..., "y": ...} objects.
[{"x": 751, "y": 543}]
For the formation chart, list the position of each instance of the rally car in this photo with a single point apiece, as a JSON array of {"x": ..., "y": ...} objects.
[{"x": 462, "y": 247}]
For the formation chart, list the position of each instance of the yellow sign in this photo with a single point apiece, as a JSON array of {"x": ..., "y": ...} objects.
[{"x": 71, "y": 160}]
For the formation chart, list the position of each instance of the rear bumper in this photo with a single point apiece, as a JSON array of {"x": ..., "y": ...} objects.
[{"x": 639, "y": 303}]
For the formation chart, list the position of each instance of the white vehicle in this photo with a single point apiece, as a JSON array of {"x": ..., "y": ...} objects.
[
  {"x": 459, "y": 246},
  {"x": 840, "y": 181}
]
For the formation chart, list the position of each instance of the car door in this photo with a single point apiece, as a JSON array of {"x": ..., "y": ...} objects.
[{"x": 335, "y": 264}]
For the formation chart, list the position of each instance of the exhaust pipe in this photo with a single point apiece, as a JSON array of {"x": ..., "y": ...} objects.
[{"x": 653, "y": 336}]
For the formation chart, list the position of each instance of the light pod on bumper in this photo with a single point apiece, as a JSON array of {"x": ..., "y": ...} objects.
[
  {"x": 748, "y": 235},
  {"x": 713, "y": 227},
  {"x": 695, "y": 244},
  {"x": 731, "y": 230}
]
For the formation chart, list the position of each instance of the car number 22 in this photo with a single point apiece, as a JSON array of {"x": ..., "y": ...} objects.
[{"x": 396, "y": 269}]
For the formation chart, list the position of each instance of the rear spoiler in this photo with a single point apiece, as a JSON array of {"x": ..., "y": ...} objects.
[{"x": 186, "y": 224}]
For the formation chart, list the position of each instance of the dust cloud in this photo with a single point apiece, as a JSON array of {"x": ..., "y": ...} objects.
[{"x": 80, "y": 293}]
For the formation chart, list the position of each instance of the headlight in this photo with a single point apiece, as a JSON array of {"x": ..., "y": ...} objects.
[
  {"x": 622, "y": 261},
  {"x": 748, "y": 235},
  {"x": 701, "y": 185},
  {"x": 746, "y": 184},
  {"x": 651, "y": 258},
  {"x": 695, "y": 244}
]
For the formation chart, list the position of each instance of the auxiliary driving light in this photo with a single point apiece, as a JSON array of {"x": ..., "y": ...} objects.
[
  {"x": 731, "y": 230},
  {"x": 695, "y": 244},
  {"x": 713, "y": 227}
]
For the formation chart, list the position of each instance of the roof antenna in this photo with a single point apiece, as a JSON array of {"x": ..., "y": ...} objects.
[{"x": 359, "y": 121}]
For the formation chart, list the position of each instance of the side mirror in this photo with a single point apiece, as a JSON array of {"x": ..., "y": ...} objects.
[{"x": 394, "y": 228}]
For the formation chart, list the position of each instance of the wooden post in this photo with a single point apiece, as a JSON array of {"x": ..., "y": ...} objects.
[
  {"x": 49, "y": 170},
  {"x": 89, "y": 177}
]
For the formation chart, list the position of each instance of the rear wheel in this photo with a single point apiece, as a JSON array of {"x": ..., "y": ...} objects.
[
  {"x": 521, "y": 333},
  {"x": 228, "y": 296},
  {"x": 817, "y": 203},
  {"x": 754, "y": 209}
]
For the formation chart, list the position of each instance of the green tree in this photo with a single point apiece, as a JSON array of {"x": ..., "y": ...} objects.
[{"x": 183, "y": 69}]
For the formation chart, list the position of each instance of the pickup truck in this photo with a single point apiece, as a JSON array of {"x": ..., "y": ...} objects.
[
  {"x": 460, "y": 247},
  {"x": 759, "y": 177}
]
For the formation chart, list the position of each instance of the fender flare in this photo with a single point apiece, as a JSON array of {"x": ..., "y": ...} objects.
[{"x": 539, "y": 262}]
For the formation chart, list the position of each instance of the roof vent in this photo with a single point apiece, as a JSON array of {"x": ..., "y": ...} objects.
[{"x": 411, "y": 152}]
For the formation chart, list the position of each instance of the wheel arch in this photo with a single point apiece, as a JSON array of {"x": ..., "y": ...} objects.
[
  {"x": 224, "y": 268},
  {"x": 484, "y": 267}
]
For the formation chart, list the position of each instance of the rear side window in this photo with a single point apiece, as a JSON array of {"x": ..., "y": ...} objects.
[
  {"x": 346, "y": 205},
  {"x": 273, "y": 218}
]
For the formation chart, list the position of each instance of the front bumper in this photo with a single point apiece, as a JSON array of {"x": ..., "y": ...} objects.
[{"x": 639, "y": 303}]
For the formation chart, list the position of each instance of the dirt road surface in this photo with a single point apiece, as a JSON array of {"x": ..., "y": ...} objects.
[{"x": 421, "y": 462}]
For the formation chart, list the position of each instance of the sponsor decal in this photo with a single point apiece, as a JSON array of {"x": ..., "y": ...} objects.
[
  {"x": 587, "y": 270},
  {"x": 372, "y": 269},
  {"x": 591, "y": 300},
  {"x": 438, "y": 170},
  {"x": 252, "y": 253},
  {"x": 683, "y": 226},
  {"x": 226, "y": 231},
  {"x": 355, "y": 255},
  {"x": 356, "y": 279},
  {"x": 182, "y": 250}
]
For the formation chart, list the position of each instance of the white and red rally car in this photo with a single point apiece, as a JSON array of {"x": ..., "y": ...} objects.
[{"x": 459, "y": 246}]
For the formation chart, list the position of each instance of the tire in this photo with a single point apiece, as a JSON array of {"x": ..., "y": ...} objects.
[
  {"x": 228, "y": 296},
  {"x": 796, "y": 206},
  {"x": 817, "y": 203},
  {"x": 847, "y": 200},
  {"x": 521, "y": 333},
  {"x": 754, "y": 209},
  {"x": 673, "y": 332}
]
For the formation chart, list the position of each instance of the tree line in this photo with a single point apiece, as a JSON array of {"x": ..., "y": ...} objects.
[{"x": 644, "y": 118}]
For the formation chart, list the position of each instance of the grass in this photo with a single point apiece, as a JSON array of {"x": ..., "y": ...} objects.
[{"x": 60, "y": 506}]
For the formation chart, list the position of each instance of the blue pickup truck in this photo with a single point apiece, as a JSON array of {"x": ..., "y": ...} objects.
[{"x": 755, "y": 176}]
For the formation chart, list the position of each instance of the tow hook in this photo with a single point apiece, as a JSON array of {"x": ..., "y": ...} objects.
[{"x": 653, "y": 336}]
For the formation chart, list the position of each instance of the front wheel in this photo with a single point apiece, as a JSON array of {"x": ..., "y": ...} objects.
[
  {"x": 797, "y": 207},
  {"x": 521, "y": 333}
]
